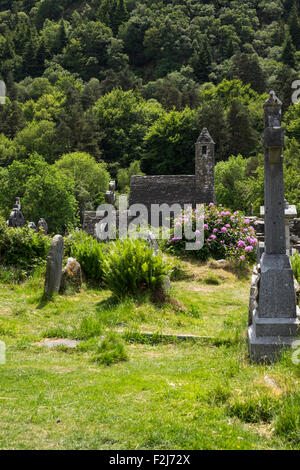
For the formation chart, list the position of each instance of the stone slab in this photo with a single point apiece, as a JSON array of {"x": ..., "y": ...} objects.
[
  {"x": 54, "y": 266},
  {"x": 68, "y": 343}
]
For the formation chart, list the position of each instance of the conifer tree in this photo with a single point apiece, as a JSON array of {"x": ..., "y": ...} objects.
[
  {"x": 289, "y": 52},
  {"x": 62, "y": 35},
  {"x": 294, "y": 25},
  {"x": 201, "y": 63}
]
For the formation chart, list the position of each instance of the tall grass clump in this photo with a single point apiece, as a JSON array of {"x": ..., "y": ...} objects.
[
  {"x": 255, "y": 409},
  {"x": 132, "y": 267},
  {"x": 288, "y": 421},
  {"x": 89, "y": 253},
  {"x": 111, "y": 350}
]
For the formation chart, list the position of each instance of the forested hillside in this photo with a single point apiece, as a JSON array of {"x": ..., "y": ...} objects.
[{"x": 106, "y": 88}]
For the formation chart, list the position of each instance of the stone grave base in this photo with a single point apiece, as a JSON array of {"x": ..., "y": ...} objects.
[{"x": 268, "y": 337}]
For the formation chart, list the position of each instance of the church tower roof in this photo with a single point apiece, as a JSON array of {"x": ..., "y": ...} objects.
[{"x": 205, "y": 137}]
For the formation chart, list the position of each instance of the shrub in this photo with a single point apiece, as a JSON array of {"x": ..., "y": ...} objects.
[
  {"x": 295, "y": 261},
  {"x": 226, "y": 235},
  {"x": 89, "y": 253},
  {"x": 132, "y": 267},
  {"x": 111, "y": 350},
  {"x": 12, "y": 275},
  {"x": 22, "y": 247}
]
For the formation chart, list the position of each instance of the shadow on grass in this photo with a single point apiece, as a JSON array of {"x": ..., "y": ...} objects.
[
  {"x": 43, "y": 301},
  {"x": 109, "y": 303}
]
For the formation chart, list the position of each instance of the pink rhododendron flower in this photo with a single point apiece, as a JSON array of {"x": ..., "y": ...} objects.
[
  {"x": 215, "y": 230},
  {"x": 241, "y": 244},
  {"x": 205, "y": 226},
  {"x": 243, "y": 258},
  {"x": 224, "y": 229},
  {"x": 248, "y": 249}
]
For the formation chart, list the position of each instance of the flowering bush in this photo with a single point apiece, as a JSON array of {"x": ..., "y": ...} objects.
[{"x": 226, "y": 235}]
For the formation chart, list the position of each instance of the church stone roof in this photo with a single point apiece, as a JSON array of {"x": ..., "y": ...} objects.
[
  {"x": 169, "y": 189},
  {"x": 205, "y": 137}
]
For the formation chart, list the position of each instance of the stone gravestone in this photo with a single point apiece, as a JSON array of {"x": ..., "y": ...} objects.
[
  {"x": 43, "y": 226},
  {"x": 274, "y": 324},
  {"x": 54, "y": 267},
  {"x": 16, "y": 218},
  {"x": 32, "y": 226}
]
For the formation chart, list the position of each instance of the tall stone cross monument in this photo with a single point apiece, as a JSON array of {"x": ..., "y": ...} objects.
[{"x": 274, "y": 315}]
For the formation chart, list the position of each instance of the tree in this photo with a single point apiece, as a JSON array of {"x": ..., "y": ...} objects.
[
  {"x": 38, "y": 137},
  {"x": 201, "y": 62},
  {"x": 62, "y": 37},
  {"x": 211, "y": 115},
  {"x": 45, "y": 193},
  {"x": 242, "y": 138},
  {"x": 283, "y": 84},
  {"x": 169, "y": 144},
  {"x": 247, "y": 68},
  {"x": 124, "y": 117},
  {"x": 232, "y": 189},
  {"x": 289, "y": 52},
  {"x": 294, "y": 25},
  {"x": 124, "y": 175},
  {"x": 113, "y": 13},
  {"x": 90, "y": 179}
]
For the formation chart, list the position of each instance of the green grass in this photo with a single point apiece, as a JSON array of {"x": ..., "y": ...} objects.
[{"x": 134, "y": 391}]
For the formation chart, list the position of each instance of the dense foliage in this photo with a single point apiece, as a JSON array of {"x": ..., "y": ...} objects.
[
  {"x": 22, "y": 247},
  {"x": 95, "y": 86}
]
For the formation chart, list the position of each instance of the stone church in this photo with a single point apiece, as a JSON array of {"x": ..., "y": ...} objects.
[
  {"x": 180, "y": 189},
  {"x": 170, "y": 189}
]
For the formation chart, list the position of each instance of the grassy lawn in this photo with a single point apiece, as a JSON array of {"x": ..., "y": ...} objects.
[{"x": 201, "y": 394}]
